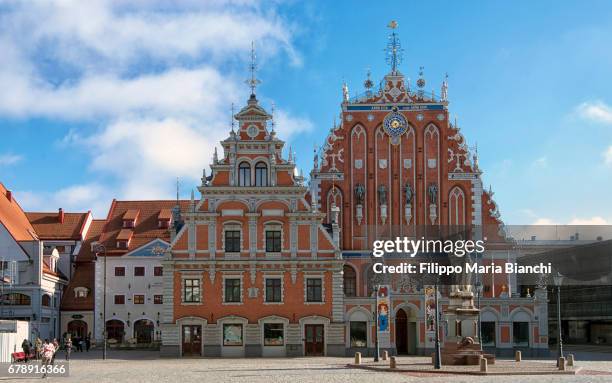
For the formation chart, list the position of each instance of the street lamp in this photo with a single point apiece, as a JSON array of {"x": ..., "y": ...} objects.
[
  {"x": 478, "y": 293},
  {"x": 102, "y": 249},
  {"x": 377, "y": 349},
  {"x": 558, "y": 278},
  {"x": 438, "y": 359}
]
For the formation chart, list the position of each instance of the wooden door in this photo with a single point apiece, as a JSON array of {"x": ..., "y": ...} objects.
[
  {"x": 315, "y": 340},
  {"x": 401, "y": 332},
  {"x": 192, "y": 340}
]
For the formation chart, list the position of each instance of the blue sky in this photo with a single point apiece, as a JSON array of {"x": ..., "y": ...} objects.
[{"x": 110, "y": 99}]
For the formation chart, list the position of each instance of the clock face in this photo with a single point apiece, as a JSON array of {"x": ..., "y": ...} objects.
[
  {"x": 395, "y": 125},
  {"x": 252, "y": 131}
]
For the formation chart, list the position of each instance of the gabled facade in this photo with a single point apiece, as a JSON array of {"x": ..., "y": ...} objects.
[
  {"x": 31, "y": 285},
  {"x": 132, "y": 243},
  {"x": 253, "y": 272}
]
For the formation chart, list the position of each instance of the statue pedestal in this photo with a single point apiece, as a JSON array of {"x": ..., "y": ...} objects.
[{"x": 462, "y": 345}]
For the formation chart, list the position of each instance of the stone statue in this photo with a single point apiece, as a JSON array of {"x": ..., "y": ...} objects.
[
  {"x": 409, "y": 193},
  {"x": 432, "y": 191},
  {"x": 359, "y": 193},
  {"x": 382, "y": 194}
]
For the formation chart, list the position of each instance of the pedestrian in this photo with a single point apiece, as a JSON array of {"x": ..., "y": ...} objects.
[
  {"x": 68, "y": 345},
  {"x": 25, "y": 346},
  {"x": 88, "y": 342},
  {"x": 56, "y": 349},
  {"x": 48, "y": 351},
  {"x": 38, "y": 344}
]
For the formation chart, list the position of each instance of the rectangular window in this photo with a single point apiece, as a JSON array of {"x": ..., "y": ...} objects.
[
  {"x": 232, "y": 241},
  {"x": 273, "y": 241},
  {"x": 119, "y": 299},
  {"x": 520, "y": 333},
  {"x": 274, "y": 334},
  {"x": 232, "y": 334},
  {"x": 488, "y": 333},
  {"x": 359, "y": 334},
  {"x": 273, "y": 290},
  {"x": 232, "y": 290},
  {"x": 139, "y": 271},
  {"x": 139, "y": 299},
  {"x": 314, "y": 290},
  {"x": 158, "y": 299},
  {"x": 158, "y": 271},
  {"x": 120, "y": 271},
  {"x": 191, "y": 291}
]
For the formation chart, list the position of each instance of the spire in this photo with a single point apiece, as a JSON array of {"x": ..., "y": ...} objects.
[
  {"x": 316, "y": 158},
  {"x": 272, "y": 120},
  {"x": 253, "y": 81},
  {"x": 368, "y": 83},
  {"x": 345, "y": 92},
  {"x": 290, "y": 159},
  {"x": 444, "y": 91},
  {"x": 177, "y": 189},
  {"x": 232, "y": 119},
  {"x": 215, "y": 157},
  {"x": 421, "y": 81},
  {"x": 394, "y": 48}
]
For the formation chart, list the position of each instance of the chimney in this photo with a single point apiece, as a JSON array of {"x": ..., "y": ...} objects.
[
  {"x": 9, "y": 195},
  {"x": 60, "y": 215}
]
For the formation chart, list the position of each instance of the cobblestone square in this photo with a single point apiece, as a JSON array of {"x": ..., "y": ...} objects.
[{"x": 141, "y": 366}]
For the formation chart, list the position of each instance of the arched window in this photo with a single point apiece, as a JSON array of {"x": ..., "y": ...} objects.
[
  {"x": 244, "y": 174},
  {"x": 46, "y": 300},
  {"x": 350, "y": 281},
  {"x": 261, "y": 174}
]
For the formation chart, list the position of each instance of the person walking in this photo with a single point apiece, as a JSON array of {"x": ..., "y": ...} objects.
[
  {"x": 38, "y": 344},
  {"x": 88, "y": 342},
  {"x": 48, "y": 352},
  {"x": 26, "y": 346},
  {"x": 68, "y": 345},
  {"x": 55, "y": 348}
]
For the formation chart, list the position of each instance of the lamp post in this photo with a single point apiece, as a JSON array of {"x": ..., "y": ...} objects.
[
  {"x": 377, "y": 349},
  {"x": 558, "y": 279},
  {"x": 101, "y": 248},
  {"x": 438, "y": 358},
  {"x": 478, "y": 293}
]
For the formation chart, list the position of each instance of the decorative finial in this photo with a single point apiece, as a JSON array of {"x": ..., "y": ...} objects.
[
  {"x": 368, "y": 83},
  {"x": 394, "y": 48},
  {"x": 345, "y": 92},
  {"x": 272, "y": 120},
  {"x": 232, "y": 118},
  {"x": 290, "y": 159},
  {"x": 444, "y": 91},
  {"x": 315, "y": 157},
  {"x": 215, "y": 157},
  {"x": 421, "y": 80},
  {"x": 177, "y": 189},
  {"x": 253, "y": 81}
]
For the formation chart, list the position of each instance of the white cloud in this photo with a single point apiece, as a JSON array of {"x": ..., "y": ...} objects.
[
  {"x": 75, "y": 198},
  {"x": 9, "y": 159},
  {"x": 597, "y": 111},
  {"x": 596, "y": 220},
  {"x": 608, "y": 156},
  {"x": 157, "y": 80},
  {"x": 544, "y": 221}
]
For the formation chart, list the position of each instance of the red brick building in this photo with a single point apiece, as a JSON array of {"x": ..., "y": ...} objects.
[{"x": 253, "y": 272}]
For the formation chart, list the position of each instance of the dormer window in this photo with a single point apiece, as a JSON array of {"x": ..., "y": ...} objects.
[
  {"x": 123, "y": 238},
  {"x": 261, "y": 174},
  {"x": 163, "y": 219},
  {"x": 244, "y": 174},
  {"x": 129, "y": 218},
  {"x": 81, "y": 292}
]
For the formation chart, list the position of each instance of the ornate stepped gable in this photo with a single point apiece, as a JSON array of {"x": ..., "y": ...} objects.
[{"x": 395, "y": 162}]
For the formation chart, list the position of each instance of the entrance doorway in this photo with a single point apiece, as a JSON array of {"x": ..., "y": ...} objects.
[
  {"x": 115, "y": 330},
  {"x": 143, "y": 331},
  {"x": 405, "y": 334},
  {"x": 315, "y": 337},
  {"x": 192, "y": 340},
  {"x": 77, "y": 329}
]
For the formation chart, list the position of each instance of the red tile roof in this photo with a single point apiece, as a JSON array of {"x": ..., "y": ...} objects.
[
  {"x": 49, "y": 226},
  {"x": 13, "y": 217},
  {"x": 84, "y": 273},
  {"x": 147, "y": 226}
]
